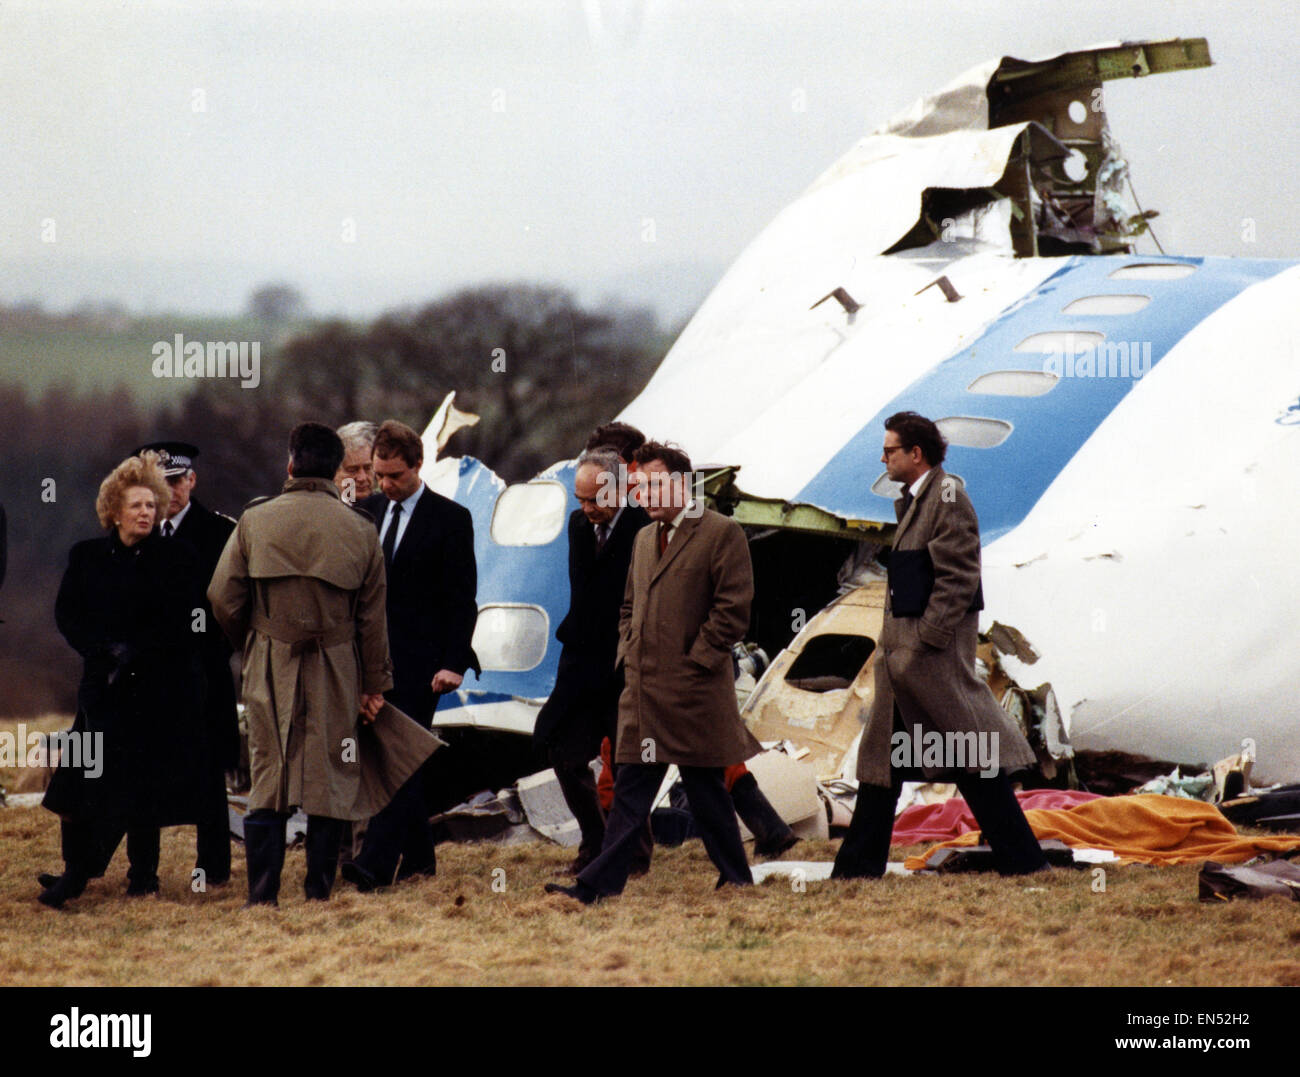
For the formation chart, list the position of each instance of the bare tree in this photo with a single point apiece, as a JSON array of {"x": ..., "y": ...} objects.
[{"x": 278, "y": 302}]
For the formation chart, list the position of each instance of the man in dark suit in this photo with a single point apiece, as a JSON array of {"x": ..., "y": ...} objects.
[
  {"x": 583, "y": 706},
  {"x": 925, "y": 668},
  {"x": 428, "y": 545},
  {"x": 206, "y": 532},
  {"x": 686, "y": 604}
]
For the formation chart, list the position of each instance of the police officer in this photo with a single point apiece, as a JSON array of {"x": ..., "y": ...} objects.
[{"x": 206, "y": 532}]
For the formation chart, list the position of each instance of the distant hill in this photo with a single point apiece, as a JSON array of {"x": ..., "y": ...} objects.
[{"x": 102, "y": 350}]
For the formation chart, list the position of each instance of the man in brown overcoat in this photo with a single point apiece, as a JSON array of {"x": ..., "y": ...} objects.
[
  {"x": 299, "y": 590},
  {"x": 685, "y": 605},
  {"x": 931, "y": 713}
]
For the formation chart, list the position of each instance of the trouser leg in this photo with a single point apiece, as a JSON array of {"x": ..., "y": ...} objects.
[
  {"x": 92, "y": 847},
  {"x": 396, "y": 832},
  {"x": 1002, "y": 823},
  {"x": 419, "y": 851},
  {"x": 772, "y": 834},
  {"x": 264, "y": 846},
  {"x": 87, "y": 849},
  {"x": 323, "y": 835},
  {"x": 864, "y": 852},
  {"x": 635, "y": 786},
  {"x": 578, "y": 785},
  {"x": 212, "y": 835},
  {"x": 401, "y": 831},
  {"x": 644, "y": 848},
  {"x": 715, "y": 819},
  {"x": 142, "y": 851}
]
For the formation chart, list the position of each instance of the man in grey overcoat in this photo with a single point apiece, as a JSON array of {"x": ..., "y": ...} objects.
[
  {"x": 686, "y": 604},
  {"x": 927, "y": 692}
]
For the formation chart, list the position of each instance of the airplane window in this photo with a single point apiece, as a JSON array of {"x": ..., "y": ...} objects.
[
  {"x": 510, "y": 637},
  {"x": 1153, "y": 271},
  {"x": 884, "y": 486},
  {"x": 1075, "y": 166},
  {"x": 1065, "y": 342},
  {"x": 972, "y": 432},
  {"x": 829, "y": 662},
  {"x": 1108, "y": 304},
  {"x": 1014, "y": 383},
  {"x": 530, "y": 514}
]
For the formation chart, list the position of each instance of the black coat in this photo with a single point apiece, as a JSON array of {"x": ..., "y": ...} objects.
[
  {"x": 128, "y": 611},
  {"x": 583, "y": 706},
  {"x": 432, "y": 584},
  {"x": 206, "y": 533}
]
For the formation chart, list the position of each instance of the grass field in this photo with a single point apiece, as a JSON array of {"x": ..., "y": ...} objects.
[{"x": 484, "y": 920}]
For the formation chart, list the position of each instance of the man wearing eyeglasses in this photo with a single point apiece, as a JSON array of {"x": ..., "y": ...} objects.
[{"x": 925, "y": 669}]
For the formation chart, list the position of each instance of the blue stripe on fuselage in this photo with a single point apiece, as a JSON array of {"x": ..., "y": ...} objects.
[{"x": 1005, "y": 482}]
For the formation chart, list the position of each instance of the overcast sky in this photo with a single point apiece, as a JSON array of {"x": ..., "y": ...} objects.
[{"x": 378, "y": 153}]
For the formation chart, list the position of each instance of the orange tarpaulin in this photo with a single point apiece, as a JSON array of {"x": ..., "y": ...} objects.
[{"x": 1144, "y": 829}]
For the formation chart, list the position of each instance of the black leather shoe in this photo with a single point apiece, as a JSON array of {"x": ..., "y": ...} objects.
[
  {"x": 64, "y": 888},
  {"x": 578, "y": 892},
  {"x": 359, "y": 877},
  {"x": 47, "y": 879},
  {"x": 770, "y": 851},
  {"x": 429, "y": 871},
  {"x": 143, "y": 888}
]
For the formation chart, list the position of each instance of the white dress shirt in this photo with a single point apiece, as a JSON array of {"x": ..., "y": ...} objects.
[{"x": 408, "y": 507}]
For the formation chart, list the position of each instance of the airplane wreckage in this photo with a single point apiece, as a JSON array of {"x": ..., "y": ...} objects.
[{"x": 1126, "y": 425}]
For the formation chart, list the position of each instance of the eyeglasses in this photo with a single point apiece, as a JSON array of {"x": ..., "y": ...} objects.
[{"x": 886, "y": 450}]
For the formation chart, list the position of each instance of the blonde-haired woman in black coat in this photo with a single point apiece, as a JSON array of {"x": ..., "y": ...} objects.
[{"x": 128, "y": 605}]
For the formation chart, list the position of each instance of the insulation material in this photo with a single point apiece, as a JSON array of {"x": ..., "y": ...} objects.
[
  {"x": 548, "y": 814},
  {"x": 790, "y": 786},
  {"x": 820, "y": 703}
]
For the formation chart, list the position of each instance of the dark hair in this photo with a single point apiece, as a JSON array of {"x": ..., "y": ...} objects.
[
  {"x": 915, "y": 430},
  {"x": 315, "y": 451},
  {"x": 672, "y": 455},
  {"x": 398, "y": 439},
  {"x": 621, "y": 437}
]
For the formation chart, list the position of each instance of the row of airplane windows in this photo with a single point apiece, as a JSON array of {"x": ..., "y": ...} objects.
[
  {"x": 977, "y": 432},
  {"x": 512, "y": 637}
]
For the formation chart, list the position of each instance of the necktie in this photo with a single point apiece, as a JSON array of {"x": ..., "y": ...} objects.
[
  {"x": 663, "y": 538},
  {"x": 390, "y": 536},
  {"x": 167, "y": 529},
  {"x": 602, "y": 536},
  {"x": 905, "y": 504}
]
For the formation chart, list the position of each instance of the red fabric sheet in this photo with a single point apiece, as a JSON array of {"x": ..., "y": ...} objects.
[{"x": 952, "y": 818}]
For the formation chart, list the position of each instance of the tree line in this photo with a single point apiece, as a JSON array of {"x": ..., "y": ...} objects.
[{"x": 538, "y": 367}]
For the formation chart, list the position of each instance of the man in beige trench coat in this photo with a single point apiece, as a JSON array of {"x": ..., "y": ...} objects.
[
  {"x": 299, "y": 590},
  {"x": 927, "y": 693},
  {"x": 686, "y": 603}
]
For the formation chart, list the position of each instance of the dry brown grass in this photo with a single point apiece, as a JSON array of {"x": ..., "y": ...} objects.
[
  {"x": 669, "y": 928},
  {"x": 22, "y": 779}
]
